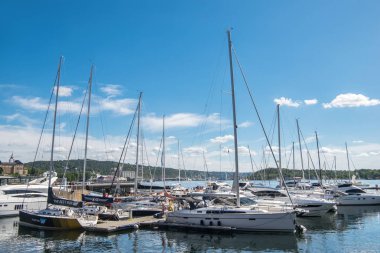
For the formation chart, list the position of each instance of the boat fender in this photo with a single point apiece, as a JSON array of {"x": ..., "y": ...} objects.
[
  {"x": 136, "y": 226},
  {"x": 300, "y": 229}
]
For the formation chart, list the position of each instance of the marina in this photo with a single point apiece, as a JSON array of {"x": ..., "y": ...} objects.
[{"x": 190, "y": 126}]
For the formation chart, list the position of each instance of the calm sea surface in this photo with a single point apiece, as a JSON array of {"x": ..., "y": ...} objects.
[{"x": 351, "y": 229}]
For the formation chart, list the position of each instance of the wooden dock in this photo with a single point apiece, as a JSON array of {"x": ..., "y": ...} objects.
[{"x": 122, "y": 225}]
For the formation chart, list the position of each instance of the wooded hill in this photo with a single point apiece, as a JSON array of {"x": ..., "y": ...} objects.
[{"x": 107, "y": 168}]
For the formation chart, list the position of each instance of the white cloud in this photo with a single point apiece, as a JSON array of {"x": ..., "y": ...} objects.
[
  {"x": 154, "y": 123},
  {"x": 286, "y": 102},
  {"x": 357, "y": 141},
  {"x": 310, "y": 101},
  {"x": 222, "y": 139},
  {"x": 119, "y": 106},
  {"x": 332, "y": 150},
  {"x": 111, "y": 89},
  {"x": 245, "y": 124},
  {"x": 64, "y": 91},
  {"x": 194, "y": 151},
  {"x": 351, "y": 100},
  {"x": 34, "y": 104},
  {"x": 24, "y": 120}
]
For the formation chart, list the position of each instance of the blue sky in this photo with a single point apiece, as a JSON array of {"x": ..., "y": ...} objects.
[{"x": 175, "y": 52}]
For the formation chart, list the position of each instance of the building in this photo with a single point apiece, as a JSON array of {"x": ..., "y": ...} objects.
[{"x": 13, "y": 167}]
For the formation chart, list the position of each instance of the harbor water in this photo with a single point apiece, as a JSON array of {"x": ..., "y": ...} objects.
[{"x": 350, "y": 229}]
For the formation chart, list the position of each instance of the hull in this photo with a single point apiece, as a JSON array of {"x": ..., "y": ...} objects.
[
  {"x": 47, "y": 222},
  {"x": 10, "y": 206},
  {"x": 317, "y": 210},
  {"x": 358, "y": 200},
  {"x": 236, "y": 220}
]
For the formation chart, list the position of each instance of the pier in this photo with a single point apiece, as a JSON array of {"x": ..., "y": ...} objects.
[{"x": 122, "y": 225}]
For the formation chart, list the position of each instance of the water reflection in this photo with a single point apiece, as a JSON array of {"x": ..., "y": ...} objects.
[
  {"x": 197, "y": 242},
  {"x": 351, "y": 228}
]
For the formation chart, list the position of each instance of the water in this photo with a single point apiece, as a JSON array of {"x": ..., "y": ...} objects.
[{"x": 351, "y": 229}]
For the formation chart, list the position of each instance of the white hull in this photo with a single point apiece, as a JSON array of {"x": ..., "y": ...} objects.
[
  {"x": 235, "y": 218},
  {"x": 10, "y": 206},
  {"x": 358, "y": 200}
]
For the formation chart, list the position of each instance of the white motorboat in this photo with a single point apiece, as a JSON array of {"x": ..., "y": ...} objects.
[
  {"x": 350, "y": 195},
  {"x": 31, "y": 196}
]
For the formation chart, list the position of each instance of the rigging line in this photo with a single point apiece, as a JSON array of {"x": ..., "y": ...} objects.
[
  {"x": 104, "y": 136},
  {"x": 75, "y": 133},
  {"x": 41, "y": 133},
  {"x": 309, "y": 155},
  {"x": 262, "y": 126},
  {"x": 155, "y": 166},
  {"x": 183, "y": 163},
  {"x": 125, "y": 143}
]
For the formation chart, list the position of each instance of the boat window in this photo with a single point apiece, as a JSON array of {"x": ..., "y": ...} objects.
[{"x": 355, "y": 191}]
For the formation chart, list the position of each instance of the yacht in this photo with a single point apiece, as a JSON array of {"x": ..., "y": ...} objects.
[
  {"x": 31, "y": 196},
  {"x": 216, "y": 217},
  {"x": 315, "y": 206},
  {"x": 348, "y": 194}
]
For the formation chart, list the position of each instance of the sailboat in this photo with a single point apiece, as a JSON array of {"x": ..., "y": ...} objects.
[
  {"x": 53, "y": 218},
  {"x": 233, "y": 217}
]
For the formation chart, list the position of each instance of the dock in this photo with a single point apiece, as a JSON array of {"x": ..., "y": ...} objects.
[{"x": 122, "y": 225}]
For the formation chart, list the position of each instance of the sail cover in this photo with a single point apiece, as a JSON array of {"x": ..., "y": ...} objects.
[
  {"x": 97, "y": 199},
  {"x": 52, "y": 199}
]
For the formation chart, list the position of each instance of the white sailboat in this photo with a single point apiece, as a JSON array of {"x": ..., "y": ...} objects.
[
  {"x": 233, "y": 217},
  {"x": 53, "y": 218}
]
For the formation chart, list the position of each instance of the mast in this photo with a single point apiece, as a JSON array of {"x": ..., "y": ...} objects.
[
  {"x": 250, "y": 157},
  {"x": 163, "y": 151},
  {"x": 87, "y": 125},
  {"x": 137, "y": 143},
  {"x": 54, "y": 123},
  {"x": 294, "y": 162},
  {"x": 236, "y": 178},
  {"x": 299, "y": 143},
  {"x": 179, "y": 164},
  {"x": 319, "y": 159},
  {"x": 336, "y": 178},
  {"x": 279, "y": 139},
  {"x": 348, "y": 163}
]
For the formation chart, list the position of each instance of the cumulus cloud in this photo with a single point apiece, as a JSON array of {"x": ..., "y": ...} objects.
[
  {"x": 64, "y": 91},
  {"x": 327, "y": 150},
  {"x": 154, "y": 123},
  {"x": 245, "y": 124},
  {"x": 286, "y": 102},
  {"x": 123, "y": 106},
  {"x": 222, "y": 139},
  {"x": 34, "y": 104},
  {"x": 194, "y": 151},
  {"x": 351, "y": 100},
  {"x": 111, "y": 89},
  {"x": 310, "y": 101}
]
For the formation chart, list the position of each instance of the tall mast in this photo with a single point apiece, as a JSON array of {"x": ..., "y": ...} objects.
[
  {"x": 336, "y": 179},
  {"x": 163, "y": 152},
  {"x": 250, "y": 157},
  {"x": 348, "y": 163},
  {"x": 294, "y": 161},
  {"x": 299, "y": 143},
  {"x": 179, "y": 164},
  {"x": 54, "y": 122},
  {"x": 236, "y": 178},
  {"x": 319, "y": 159},
  {"x": 279, "y": 139},
  {"x": 137, "y": 143},
  {"x": 87, "y": 125}
]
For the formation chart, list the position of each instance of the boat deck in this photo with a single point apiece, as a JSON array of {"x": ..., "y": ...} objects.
[{"x": 121, "y": 225}]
